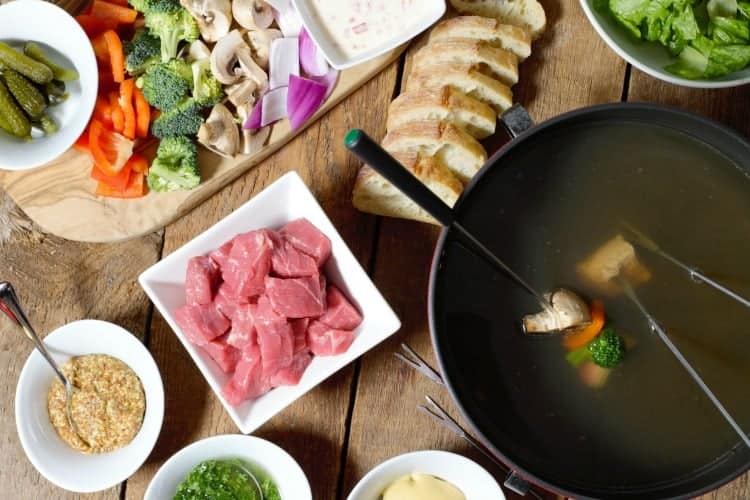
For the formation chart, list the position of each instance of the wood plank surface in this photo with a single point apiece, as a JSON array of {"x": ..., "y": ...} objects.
[
  {"x": 58, "y": 282},
  {"x": 730, "y": 107},
  {"x": 60, "y": 196},
  {"x": 312, "y": 430}
]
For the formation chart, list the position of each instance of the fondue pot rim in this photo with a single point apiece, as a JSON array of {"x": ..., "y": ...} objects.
[{"x": 518, "y": 137}]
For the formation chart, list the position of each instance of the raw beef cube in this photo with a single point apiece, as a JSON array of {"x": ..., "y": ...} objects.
[
  {"x": 225, "y": 355},
  {"x": 326, "y": 341},
  {"x": 341, "y": 313},
  {"x": 288, "y": 262},
  {"x": 292, "y": 374},
  {"x": 275, "y": 338},
  {"x": 221, "y": 254},
  {"x": 243, "y": 334},
  {"x": 296, "y": 297},
  {"x": 226, "y": 300},
  {"x": 299, "y": 329},
  {"x": 249, "y": 263},
  {"x": 307, "y": 238},
  {"x": 200, "y": 280},
  {"x": 247, "y": 381},
  {"x": 201, "y": 324}
]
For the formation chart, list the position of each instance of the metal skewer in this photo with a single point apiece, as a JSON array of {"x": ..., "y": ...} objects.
[
  {"x": 656, "y": 328},
  {"x": 649, "y": 244},
  {"x": 411, "y": 358}
]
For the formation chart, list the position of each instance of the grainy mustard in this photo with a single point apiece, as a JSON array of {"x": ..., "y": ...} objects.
[{"x": 108, "y": 404}]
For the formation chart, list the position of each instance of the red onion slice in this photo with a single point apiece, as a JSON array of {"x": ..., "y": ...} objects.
[
  {"x": 303, "y": 99},
  {"x": 274, "y": 106},
  {"x": 255, "y": 118},
  {"x": 283, "y": 61},
  {"x": 289, "y": 21},
  {"x": 311, "y": 58}
]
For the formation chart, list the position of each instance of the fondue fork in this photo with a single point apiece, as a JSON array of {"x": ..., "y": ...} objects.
[
  {"x": 656, "y": 328},
  {"x": 11, "y": 306},
  {"x": 645, "y": 242}
]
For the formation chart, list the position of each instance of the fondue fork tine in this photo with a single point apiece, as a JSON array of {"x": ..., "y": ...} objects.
[
  {"x": 11, "y": 306},
  {"x": 437, "y": 413},
  {"x": 656, "y": 328},
  {"x": 411, "y": 358},
  {"x": 645, "y": 242}
]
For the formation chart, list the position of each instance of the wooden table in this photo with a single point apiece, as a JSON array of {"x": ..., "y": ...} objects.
[{"x": 367, "y": 412}]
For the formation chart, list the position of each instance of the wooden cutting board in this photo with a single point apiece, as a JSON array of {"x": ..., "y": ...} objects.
[{"x": 60, "y": 198}]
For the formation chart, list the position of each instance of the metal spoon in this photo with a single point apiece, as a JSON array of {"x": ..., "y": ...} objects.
[{"x": 10, "y": 305}]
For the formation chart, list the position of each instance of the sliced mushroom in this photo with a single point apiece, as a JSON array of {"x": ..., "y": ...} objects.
[
  {"x": 214, "y": 17},
  {"x": 260, "y": 41},
  {"x": 568, "y": 311},
  {"x": 232, "y": 60},
  {"x": 252, "y": 14},
  {"x": 252, "y": 140},
  {"x": 198, "y": 51},
  {"x": 242, "y": 93},
  {"x": 219, "y": 132}
]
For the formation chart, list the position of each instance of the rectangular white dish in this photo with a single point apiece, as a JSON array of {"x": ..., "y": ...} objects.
[
  {"x": 338, "y": 58},
  {"x": 283, "y": 201}
]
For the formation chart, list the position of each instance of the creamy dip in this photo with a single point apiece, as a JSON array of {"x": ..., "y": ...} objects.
[
  {"x": 108, "y": 403},
  {"x": 422, "y": 487},
  {"x": 357, "y": 26}
]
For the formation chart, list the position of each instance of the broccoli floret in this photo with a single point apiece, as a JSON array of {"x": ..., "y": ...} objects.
[
  {"x": 139, "y": 5},
  {"x": 171, "y": 27},
  {"x": 175, "y": 166},
  {"x": 608, "y": 349},
  {"x": 166, "y": 84},
  {"x": 207, "y": 90},
  {"x": 142, "y": 52},
  {"x": 183, "y": 119}
]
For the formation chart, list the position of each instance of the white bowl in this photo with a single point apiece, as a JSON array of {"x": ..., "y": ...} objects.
[
  {"x": 473, "y": 481},
  {"x": 285, "y": 200},
  {"x": 65, "y": 42},
  {"x": 276, "y": 462},
  {"x": 61, "y": 465},
  {"x": 341, "y": 60},
  {"x": 651, "y": 57}
]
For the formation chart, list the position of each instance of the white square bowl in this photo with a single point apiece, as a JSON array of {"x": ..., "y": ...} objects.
[
  {"x": 338, "y": 58},
  {"x": 283, "y": 201}
]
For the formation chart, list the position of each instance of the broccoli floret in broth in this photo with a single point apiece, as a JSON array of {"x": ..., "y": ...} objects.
[
  {"x": 608, "y": 349},
  {"x": 175, "y": 166},
  {"x": 183, "y": 119},
  {"x": 166, "y": 84}
]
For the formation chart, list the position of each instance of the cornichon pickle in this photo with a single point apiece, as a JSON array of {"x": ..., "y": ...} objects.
[
  {"x": 27, "y": 95},
  {"x": 35, "y": 52},
  {"x": 47, "y": 124},
  {"x": 25, "y": 65},
  {"x": 18, "y": 123}
]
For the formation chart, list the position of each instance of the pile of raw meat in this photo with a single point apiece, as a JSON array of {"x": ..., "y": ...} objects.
[{"x": 260, "y": 307}]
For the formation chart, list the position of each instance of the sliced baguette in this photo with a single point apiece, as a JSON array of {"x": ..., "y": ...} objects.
[
  {"x": 459, "y": 151},
  {"x": 499, "y": 63},
  {"x": 468, "y": 78},
  {"x": 505, "y": 36},
  {"x": 528, "y": 14},
  {"x": 374, "y": 194},
  {"x": 445, "y": 103}
]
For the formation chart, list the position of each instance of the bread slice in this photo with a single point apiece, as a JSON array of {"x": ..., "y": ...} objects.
[
  {"x": 499, "y": 63},
  {"x": 374, "y": 194},
  {"x": 528, "y": 14},
  {"x": 459, "y": 151},
  {"x": 468, "y": 78},
  {"x": 445, "y": 103},
  {"x": 514, "y": 39}
]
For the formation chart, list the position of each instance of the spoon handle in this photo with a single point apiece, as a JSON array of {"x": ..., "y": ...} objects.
[{"x": 11, "y": 306}]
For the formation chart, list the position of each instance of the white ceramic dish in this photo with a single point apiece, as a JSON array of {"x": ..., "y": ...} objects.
[
  {"x": 285, "y": 200},
  {"x": 473, "y": 481},
  {"x": 276, "y": 462},
  {"x": 651, "y": 57},
  {"x": 63, "y": 39},
  {"x": 53, "y": 459},
  {"x": 338, "y": 58}
]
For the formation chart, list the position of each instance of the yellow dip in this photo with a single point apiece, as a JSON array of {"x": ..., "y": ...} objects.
[
  {"x": 108, "y": 403},
  {"x": 422, "y": 487}
]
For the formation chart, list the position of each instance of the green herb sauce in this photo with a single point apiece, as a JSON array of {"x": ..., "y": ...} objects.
[{"x": 225, "y": 480}]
